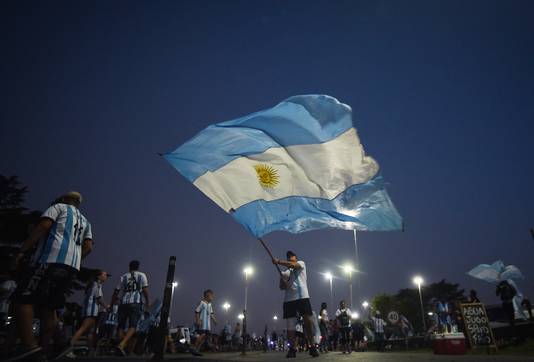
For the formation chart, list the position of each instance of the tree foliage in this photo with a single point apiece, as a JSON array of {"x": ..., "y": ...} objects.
[
  {"x": 12, "y": 193},
  {"x": 406, "y": 301},
  {"x": 15, "y": 219}
]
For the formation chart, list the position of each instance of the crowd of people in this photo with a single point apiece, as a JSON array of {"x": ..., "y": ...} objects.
[{"x": 50, "y": 260}]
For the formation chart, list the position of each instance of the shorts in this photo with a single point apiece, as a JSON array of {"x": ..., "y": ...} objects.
[
  {"x": 203, "y": 331},
  {"x": 300, "y": 307},
  {"x": 46, "y": 286},
  {"x": 129, "y": 315}
]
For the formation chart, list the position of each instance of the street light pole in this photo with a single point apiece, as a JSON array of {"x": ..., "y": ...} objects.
[
  {"x": 350, "y": 289},
  {"x": 174, "y": 285},
  {"x": 348, "y": 269},
  {"x": 418, "y": 280},
  {"x": 328, "y": 276},
  {"x": 246, "y": 290},
  {"x": 247, "y": 271},
  {"x": 331, "y": 295}
]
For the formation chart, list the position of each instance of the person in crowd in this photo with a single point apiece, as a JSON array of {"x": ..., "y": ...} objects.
[
  {"x": 92, "y": 302},
  {"x": 296, "y": 301},
  {"x": 507, "y": 293},
  {"x": 236, "y": 336},
  {"x": 264, "y": 339},
  {"x": 378, "y": 326},
  {"x": 343, "y": 316},
  {"x": 334, "y": 335},
  {"x": 300, "y": 338},
  {"x": 525, "y": 303},
  {"x": 57, "y": 244},
  {"x": 473, "y": 297},
  {"x": 226, "y": 335},
  {"x": 358, "y": 332},
  {"x": 443, "y": 318},
  {"x": 203, "y": 317},
  {"x": 132, "y": 292},
  {"x": 111, "y": 321},
  {"x": 274, "y": 340},
  {"x": 324, "y": 321}
]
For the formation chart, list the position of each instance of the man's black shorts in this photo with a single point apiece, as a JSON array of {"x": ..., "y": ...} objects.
[
  {"x": 46, "y": 286},
  {"x": 299, "y": 307},
  {"x": 129, "y": 314}
]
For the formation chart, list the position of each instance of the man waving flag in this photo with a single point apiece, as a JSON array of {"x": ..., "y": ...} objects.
[{"x": 296, "y": 167}]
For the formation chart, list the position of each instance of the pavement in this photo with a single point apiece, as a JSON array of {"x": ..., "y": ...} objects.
[{"x": 331, "y": 356}]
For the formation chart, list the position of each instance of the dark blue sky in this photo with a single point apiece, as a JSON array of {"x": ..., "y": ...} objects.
[{"x": 442, "y": 94}]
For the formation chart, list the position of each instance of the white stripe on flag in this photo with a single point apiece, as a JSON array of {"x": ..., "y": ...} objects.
[{"x": 321, "y": 170}]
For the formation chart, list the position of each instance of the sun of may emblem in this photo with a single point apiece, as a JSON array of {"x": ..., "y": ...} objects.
[{"x": 267, "y": 176}]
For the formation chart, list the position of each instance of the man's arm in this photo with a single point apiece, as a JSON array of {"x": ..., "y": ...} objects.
[
  {"x": 197, "y": 318},
  {"x": 101, "y": 303},
  {"x": 87, "y": 247},
  {"x": 288, "y": 264},
  {"x": 145, "y": 293},
  {"x": 115, "y": 297},
  {"x": 42, "y": 229}
]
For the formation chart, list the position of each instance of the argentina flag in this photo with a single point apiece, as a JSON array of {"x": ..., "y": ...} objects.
[{"x": 296, "y": 167}]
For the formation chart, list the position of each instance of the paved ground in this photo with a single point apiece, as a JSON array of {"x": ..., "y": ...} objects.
[{"x": 332, "y": 356}]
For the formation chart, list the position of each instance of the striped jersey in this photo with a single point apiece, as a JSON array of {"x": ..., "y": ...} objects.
[
  {"x": 131, "y": 286},
  {"x": 344, "y": 317},
  {"x": 298, "y": 285},
  {"x": 64, "y": 242},
  {"x": 90, "y": 304},
  {"x": 205, "y": 311},
  {"x": 378, "y": 324},
  {"x": 111, "y": 318}
]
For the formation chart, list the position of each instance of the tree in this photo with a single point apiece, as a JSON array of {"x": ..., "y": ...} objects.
[
  {"x": 406, "y": 301},
  {"x": 14, "y": 218},
  {"x": 12, "y": 194},
  {"x": 385, "y": 303}
]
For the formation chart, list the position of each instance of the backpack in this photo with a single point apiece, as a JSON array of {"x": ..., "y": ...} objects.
[{"x": 344, "y": 319}]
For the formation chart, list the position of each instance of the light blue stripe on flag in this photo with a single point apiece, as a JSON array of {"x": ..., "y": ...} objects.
[
  {"x": 298, "y": 120},
  {"x": 360, "y": 207}
]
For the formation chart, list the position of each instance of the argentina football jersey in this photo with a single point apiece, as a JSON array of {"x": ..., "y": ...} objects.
[
  {"x": 90, "y": 306},
  {"x": 205, "y": 311},
  {"x": 64, "y": 242},
  {"x": 131, "y": 286}
]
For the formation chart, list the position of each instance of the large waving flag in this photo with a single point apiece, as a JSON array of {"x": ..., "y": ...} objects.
[{"x": 296, "y": 167}]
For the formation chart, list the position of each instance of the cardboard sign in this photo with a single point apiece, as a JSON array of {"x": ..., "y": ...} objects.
[{"x": 477, "y": 325}]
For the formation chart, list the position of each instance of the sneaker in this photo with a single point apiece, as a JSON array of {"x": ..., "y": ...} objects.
[
  {"x": 121, "y": 351},
  {"x": 65, "y": 351},
  {"x": 313, "y": 352},
  {"x": 71, "y": 355},
  {"x": 291, "y": 353},
  {"x": 26, "y": 354}
]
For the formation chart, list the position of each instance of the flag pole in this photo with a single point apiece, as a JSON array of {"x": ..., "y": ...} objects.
[
  {"x": 358, "y": 281},
  {"x": 270, "y": 254}
]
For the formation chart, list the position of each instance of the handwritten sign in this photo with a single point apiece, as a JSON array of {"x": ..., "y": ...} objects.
[{"x": 477, "y": 324}]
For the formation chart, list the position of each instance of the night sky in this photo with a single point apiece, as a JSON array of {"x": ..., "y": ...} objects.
[{"x": 442, "y": 95}]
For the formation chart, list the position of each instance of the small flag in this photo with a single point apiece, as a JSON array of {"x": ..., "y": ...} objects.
[
  {"x": 296, "y": 167},
  {"x": 496, "y": 272}
]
